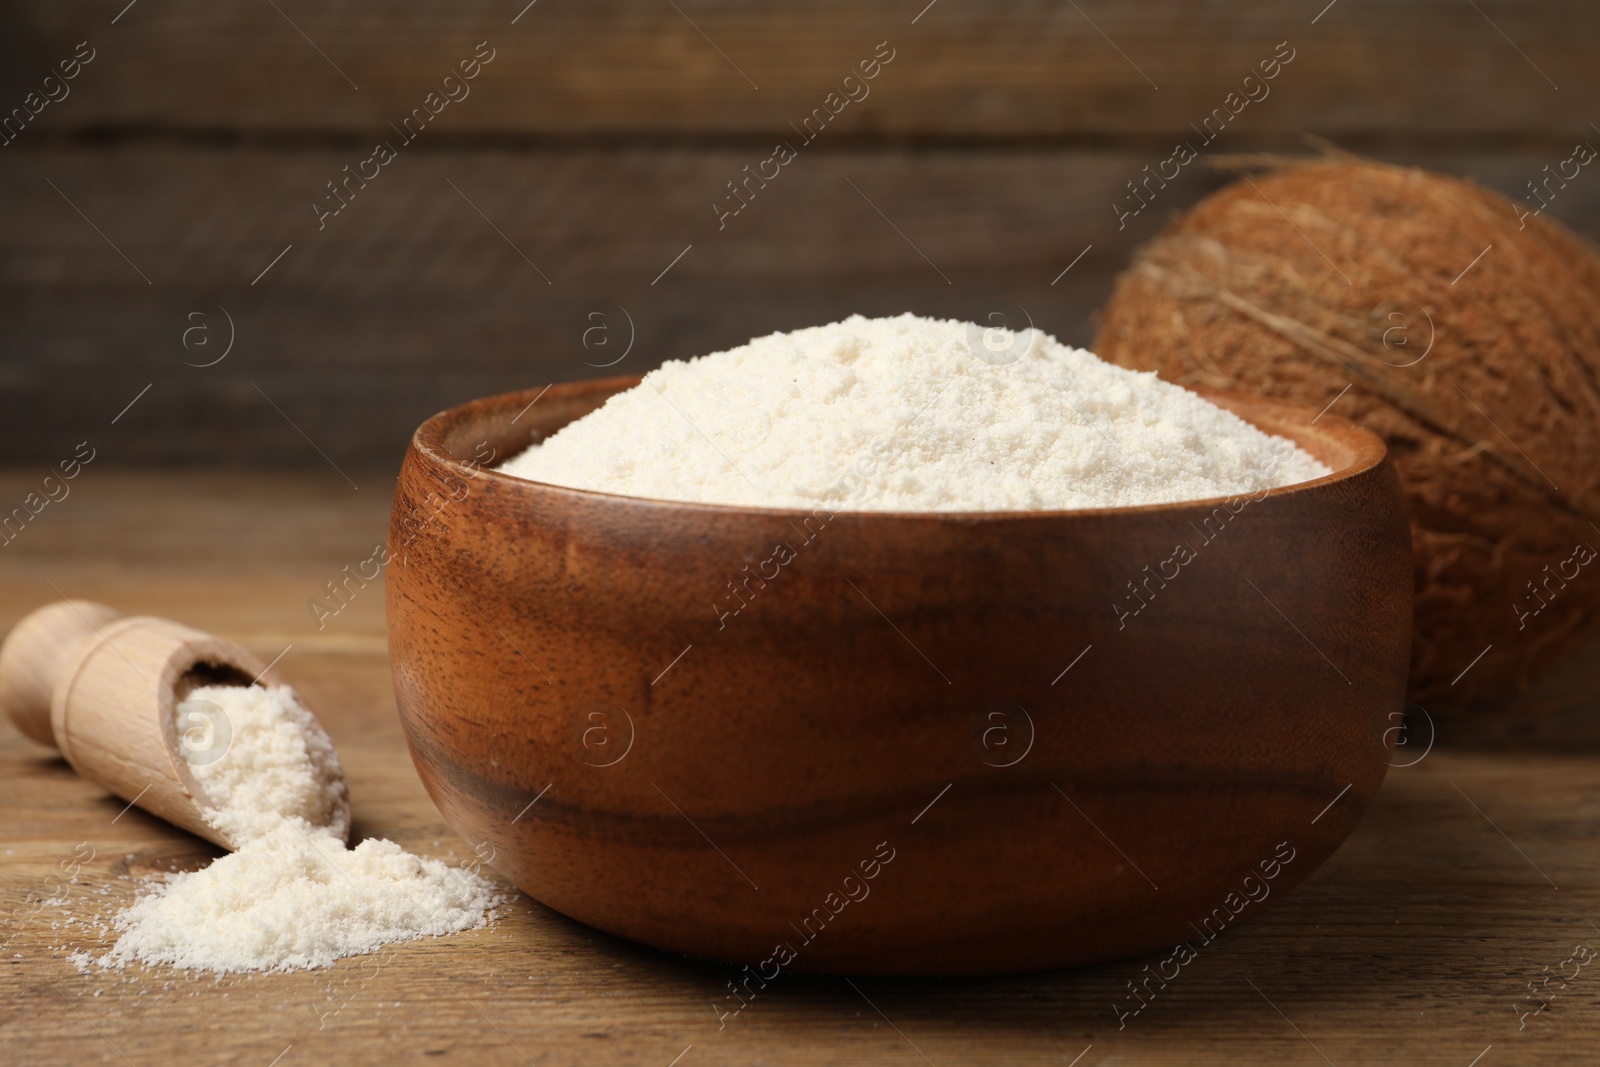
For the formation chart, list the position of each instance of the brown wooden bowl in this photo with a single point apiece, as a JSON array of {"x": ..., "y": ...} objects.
[{"x": 924, "y": 743}]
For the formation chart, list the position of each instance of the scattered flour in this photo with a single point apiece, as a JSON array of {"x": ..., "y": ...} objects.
[
  {"x": 912, "y": 414},
  {"x": 293, "y": 895},
  {"x": 298, "y": 898}
]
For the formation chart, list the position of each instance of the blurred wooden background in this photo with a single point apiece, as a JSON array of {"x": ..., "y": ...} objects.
[{"x": 146, "y": 212}]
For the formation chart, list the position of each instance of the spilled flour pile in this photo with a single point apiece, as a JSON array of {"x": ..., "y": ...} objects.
[
  {"x": 293, "y": 895},
  {"x": 912, "y": 414}
]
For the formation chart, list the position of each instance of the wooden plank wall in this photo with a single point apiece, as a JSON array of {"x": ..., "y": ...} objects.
[{"x": 163, "y": 203}]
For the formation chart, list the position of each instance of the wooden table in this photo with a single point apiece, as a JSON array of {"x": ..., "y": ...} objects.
[{"x": 1472, "y": 876}]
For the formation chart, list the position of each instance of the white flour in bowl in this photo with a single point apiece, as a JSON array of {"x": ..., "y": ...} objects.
[
  {"x": 912, "y": 414},
  {"x": 293, "y": 895}
]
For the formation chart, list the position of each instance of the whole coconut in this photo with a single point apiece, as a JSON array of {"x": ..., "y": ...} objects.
[{"x": 1468, "y": 334}]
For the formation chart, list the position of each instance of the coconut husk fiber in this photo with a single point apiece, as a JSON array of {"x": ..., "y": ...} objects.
[{"x": 1483, "y": 377}]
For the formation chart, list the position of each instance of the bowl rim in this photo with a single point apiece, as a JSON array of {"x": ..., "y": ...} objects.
[{"x": 1368, "y": 450}]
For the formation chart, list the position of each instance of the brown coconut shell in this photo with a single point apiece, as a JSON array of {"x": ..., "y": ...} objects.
[{"x": 1486, "y": 384}]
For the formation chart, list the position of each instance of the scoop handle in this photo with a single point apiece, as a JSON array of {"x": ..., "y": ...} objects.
[
  {"x": 39, "y": 651},
  {"x": 103, "y": 689}
]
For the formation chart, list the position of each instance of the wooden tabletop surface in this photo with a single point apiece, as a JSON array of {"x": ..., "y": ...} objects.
[{"x": 1472, "y": 876}]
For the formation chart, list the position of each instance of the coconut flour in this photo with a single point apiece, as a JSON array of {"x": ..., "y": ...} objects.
[
  {"x": 912, "y": 414},
  {"x": 293, "y": 895},
  {"x": 274, "y": 761}
]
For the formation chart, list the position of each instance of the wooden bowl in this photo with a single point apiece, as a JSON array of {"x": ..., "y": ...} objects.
[{"x": 890, "y": 743}]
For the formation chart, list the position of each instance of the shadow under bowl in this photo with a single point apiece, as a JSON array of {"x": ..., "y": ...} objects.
[{"x": 890, "y": 743}]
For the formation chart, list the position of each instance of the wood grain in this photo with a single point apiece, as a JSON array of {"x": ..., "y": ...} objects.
[
  {"x": 1414, "y": 943},
  {"x": 717, "y": 67},
  {"x": 596, "y": 140}
]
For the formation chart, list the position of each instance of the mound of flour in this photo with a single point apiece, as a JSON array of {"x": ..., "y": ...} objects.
[
  {"x": 912, "y": 414},
  {"x": 293, "y": 895}
]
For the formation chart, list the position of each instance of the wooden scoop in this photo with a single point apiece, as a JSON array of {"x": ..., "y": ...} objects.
[{"x": 103, "y": 689}]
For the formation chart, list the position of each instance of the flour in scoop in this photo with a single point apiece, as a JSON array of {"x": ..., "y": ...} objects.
[
  {"x": 261, "y": 757},
  {"x": 293, "y": 895},
  {"x": 912, "y": 414}
]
